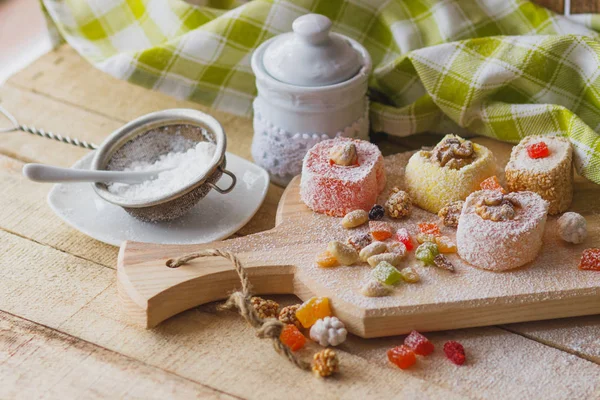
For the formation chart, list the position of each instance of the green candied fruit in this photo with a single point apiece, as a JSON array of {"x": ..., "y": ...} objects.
[
  {"x": 427, "y": 252},
  {"x": 386, "y": 273}
]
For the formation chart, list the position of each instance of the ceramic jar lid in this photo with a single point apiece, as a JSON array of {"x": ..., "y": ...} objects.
[{"x": 311, "y": 55}]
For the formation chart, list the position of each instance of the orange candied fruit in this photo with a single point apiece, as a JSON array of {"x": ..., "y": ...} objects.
[
  {"x": 445, "y": 244},
  {"x": 326, "y": 260},
  {"x": 402, "y": 356},
  {"x": 312, "y": 310},
  {"x": 292, "y": 337},
  {"x": 380, "y": 230},
  {"x": 492, "y": 183},
  {"x": 429, "y": 228},
  {"x": 590, "y": 260}
]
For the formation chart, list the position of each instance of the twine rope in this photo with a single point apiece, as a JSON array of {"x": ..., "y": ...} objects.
[{"x": 267, "y": 328}]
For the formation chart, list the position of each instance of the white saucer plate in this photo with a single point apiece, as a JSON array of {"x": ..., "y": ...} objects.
[{"x": 215, "y": 217}]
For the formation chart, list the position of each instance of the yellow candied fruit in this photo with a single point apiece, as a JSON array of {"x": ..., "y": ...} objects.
[
  {"x": 445, "y": 244},
  {"x": 312, "y": 310},
  {"x": 326, "y": 260},
  {"x": 425, "y": 237}
]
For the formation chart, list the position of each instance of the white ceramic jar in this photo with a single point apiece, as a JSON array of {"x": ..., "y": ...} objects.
[{"x": 312, "y": 86}]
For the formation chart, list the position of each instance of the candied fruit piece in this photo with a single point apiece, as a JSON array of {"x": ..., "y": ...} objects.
[
  {"x": 292, "y": 337},
  {"x": 538, "y": 150},
  {"x": 590, "y": 260},
  {"x": 312, "y": 310},
  {"x": 376, "y": 213},
  {"x": 380, "y": 230},
  {"x": 386, "y": 273},
  {"x": 429, "y": 228},
  {"x": 402, "y": 356},
  {"x": 410, "y": 275},
  {"x": 344, "y": 253},
  {"x": 455, "y": 352},
  {"x": 427, "y": 252},
  {"x": 404, "y": 237},
  {"x": 418, "y": 343},
  {"x": 492, "y": 183},
  {"x": 359, "y": 241},
  {"x": 326, "y": 259},
  {"x": 355, "y": 218},
  {"x": 398, "y": 248},
  {"x": 445, "y": 244},
  {"x": 425, "y": 237}
]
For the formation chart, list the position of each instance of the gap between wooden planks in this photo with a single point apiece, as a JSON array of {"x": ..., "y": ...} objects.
[{"x": 38, "y": 98}]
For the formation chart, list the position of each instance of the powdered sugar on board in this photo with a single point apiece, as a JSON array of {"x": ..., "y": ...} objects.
[{"x": 555, "y": 269}]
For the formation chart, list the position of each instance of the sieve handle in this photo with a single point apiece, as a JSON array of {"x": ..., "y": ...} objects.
[
  {"x": 230, "y": 188},
  {"x": 49, "y": 173}
]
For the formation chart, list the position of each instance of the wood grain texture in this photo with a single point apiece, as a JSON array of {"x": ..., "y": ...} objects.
[
  {"x": 38, "y": 362},
  {"x": 217, "y": 349}
]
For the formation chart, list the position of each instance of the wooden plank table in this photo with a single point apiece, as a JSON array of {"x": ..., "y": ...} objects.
[{"x": 63, "y": 335}]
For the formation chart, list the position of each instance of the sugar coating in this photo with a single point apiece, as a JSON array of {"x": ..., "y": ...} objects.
[
  {"x": 551, "y": 177},
  {"x": 502, "y": 245},
  {"x": 336, "y": 190},
  {"x": 431, "y": 186}
]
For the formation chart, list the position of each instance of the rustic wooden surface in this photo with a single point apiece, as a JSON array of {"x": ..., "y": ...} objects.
[{"x": 63, "y": 335}]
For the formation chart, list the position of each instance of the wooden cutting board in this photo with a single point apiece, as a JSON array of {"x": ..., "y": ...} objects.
[{"x": 282, "y": 261}]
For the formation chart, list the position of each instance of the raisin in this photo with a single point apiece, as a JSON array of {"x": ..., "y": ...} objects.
[{"x": 376, "y": 213}]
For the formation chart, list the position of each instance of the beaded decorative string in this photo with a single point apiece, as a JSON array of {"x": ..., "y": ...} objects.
[{"x": 325, "y": 362}]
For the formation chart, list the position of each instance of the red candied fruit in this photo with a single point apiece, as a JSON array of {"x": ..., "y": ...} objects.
[
  {"x": 404, "y": 237},
  {"x": 419, "y": 344},
  {"x": 402, "y": 356},
  {"x": 492, "y": 183},
  {"x": 292, "y": 337},
  {"x": 590, "y": 260},
  {"x": 538, "y": 150},
  {"x": 430, "y": 229},
  {"x": 455, "y": 352}
]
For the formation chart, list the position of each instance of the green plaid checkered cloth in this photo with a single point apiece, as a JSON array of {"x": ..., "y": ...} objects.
[{"x": 499, "y": 68}]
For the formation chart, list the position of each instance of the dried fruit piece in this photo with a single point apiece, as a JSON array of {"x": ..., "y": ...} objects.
[
  {"x": 391, "y": 258},
  {"x": 450, "y": 213},
  {"x": 287, "y": 315},
  {"x": 404, "y": 237},
  {"x": 312, "y": 310},
  {"x": 442, "y": 262},
  {"x": 376, "y": 213},
  {"x": 325, "y": 363},
  {"x": 344, "y": 155},
  {"x": 359, "y": 241},
  {"x": 445, "y": 244},
  {"x": 397, "y": 248},
  {"x": 328, "y": 331},
  {"x": 326, "y": 259},
  {"x": 455, "y": 352},
  {"x": 425, "y": 237},
  {"x": 538, "y": 150},
  {"x": 492, "y": 183},
  {"x": 427, "y": 252},
  {"x": 590, "y": 260},
  {"x": 399, "y": 203},
  {"x": 572, "y": 227},
  {"x": 345, "y": 254},
  {"x": 380, "y": 230},
  {"x": 355, "y": 218},
  {"x": 292, "y": 337},
  {"x": 374, "y": 288},
  {"x": 429, "y": 228},
  {"x": 372, "y": 249},
  {"x": 386, "y": 273},
  {"x": 265, "y": 308},
  {"x": 402, "y": 356},
  {"x": 419, "y": 344},
  {"x": 410, "y": 275}
]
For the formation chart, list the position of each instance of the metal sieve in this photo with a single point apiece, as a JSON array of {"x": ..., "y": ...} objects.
[{"x": 133, "y": 141}]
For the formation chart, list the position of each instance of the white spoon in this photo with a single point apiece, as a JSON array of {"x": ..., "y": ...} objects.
[{"x": 48, "y": 173}]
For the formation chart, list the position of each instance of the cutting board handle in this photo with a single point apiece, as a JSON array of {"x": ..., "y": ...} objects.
[{"x": 153, "y": 292}]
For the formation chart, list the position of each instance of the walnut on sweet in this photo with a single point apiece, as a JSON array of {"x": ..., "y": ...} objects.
[
  {"x": 452, "y": 153},
  {"x": 450, "y": 213},
  {"x": 265, "y": 308},
  {"x": 496, "y": 207},
  {"x": 325, "y": 363}
]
